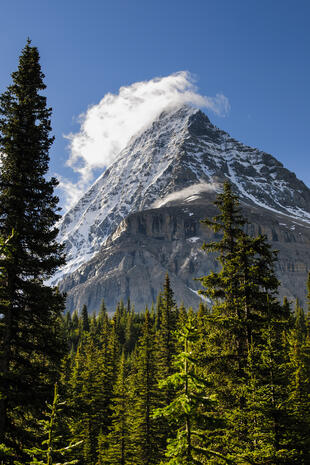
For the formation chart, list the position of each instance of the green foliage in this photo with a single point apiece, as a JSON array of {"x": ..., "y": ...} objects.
[
  {"x": 49, "y": 450},
  {"x": 234, "y": 377},
  {"x": 245, "y": 356},
  {"x": 166, "y": 341},
  {"x": 193, "y": 409},
  {"x": 298, "y": 375},
  {"x": 89, "y": 393},
  {"x": 85, "y": 318},
  {"x": 145, "y": 431},
  {"x": 31, "y": 343},
  {"x": 116, "y": 448}
]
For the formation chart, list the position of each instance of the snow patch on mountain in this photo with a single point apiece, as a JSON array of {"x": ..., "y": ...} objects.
[{"x": 187, "y": 193}]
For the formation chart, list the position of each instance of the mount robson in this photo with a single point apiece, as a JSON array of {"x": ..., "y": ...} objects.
[{"x": 141, "y": 218}]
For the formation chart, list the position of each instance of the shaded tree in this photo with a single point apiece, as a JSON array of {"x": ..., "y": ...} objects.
[{"x": 31, "y": 346}]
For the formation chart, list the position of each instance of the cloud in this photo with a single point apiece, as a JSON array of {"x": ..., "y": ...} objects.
[
  {"x": 107, "y": 127},
  {"x": 188, "y": 193},
  {"x": 72, "y": 191}
]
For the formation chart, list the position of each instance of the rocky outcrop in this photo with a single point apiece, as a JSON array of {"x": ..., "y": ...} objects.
[{"x": 147, "y": 244}]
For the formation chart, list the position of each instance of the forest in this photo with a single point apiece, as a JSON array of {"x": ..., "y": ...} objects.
[{"x": 227, "y": 383}]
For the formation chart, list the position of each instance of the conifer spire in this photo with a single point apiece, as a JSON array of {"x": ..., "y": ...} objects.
[{"x": 28, "y": 330}]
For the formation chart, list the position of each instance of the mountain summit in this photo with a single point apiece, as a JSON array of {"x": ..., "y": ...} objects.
[{"x": 179, "y": 156}]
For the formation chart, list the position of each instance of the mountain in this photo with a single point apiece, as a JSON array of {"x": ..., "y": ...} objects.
[{"x": 180, "y": 161}]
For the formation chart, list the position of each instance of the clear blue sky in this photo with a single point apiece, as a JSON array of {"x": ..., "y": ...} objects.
[{"x": 256, "y": 52}]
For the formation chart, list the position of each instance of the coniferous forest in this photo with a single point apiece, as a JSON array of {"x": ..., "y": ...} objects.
[{"x": 225, "y": 383}]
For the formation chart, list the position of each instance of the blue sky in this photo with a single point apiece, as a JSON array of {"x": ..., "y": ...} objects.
[{"x": 255, "y": 52}]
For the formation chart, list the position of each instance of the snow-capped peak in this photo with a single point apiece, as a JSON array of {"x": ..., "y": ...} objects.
[{"x": 180, "y": 149}]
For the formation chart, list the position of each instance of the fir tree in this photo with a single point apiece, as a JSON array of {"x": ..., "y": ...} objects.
[
  {"x": 298, "y": 401},
  {"x": 89, "y": 395},
  {"x": 29, "y": 333},
  {"x": 166, "y": 333},
  {"x": 158, "y": 312},
  {"x": 75, "y": 320},
  {"x": 144, "y": 433},
  {"x": 192, "y": 410},
  {"x": 308, "y": 305},
  {"x": 265, "y": 394},
  {"x": 102, "y": 315},
  {"x": 308, "y": 292},
  {"x": 166, "y": 350},
  {"x": 51, "y": 448},
  {"x": 245, "y": 313},
  {"x": 119, "y": 444},
  {"x": 85, "y": 319}
]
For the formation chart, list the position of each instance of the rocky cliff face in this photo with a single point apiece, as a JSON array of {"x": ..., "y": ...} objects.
[
  {"x": 147, "y": 244},
  {"x": 142, "y": 216},
  {"x": 181, "y": 150}
]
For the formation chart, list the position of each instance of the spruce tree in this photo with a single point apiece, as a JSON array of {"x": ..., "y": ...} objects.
[
  {"x": 265, "y": 409},
  {"x": 308, "y": 305},
  {"x": 119, "y": 444},
  {"x": 166, "y": 349},
  {"x": 144, "y": 432},
  {"x": 165, "y": 335},
  {"x": 30, "y": 346},
  {"x": 192, "y": 409},
  {"x": 102, "y": 315},
  {"x": 298, "y": 402},
  {"x": 85, "y": 318},
  {"x": 245, "y": 314},
  {"x": 89, "y": 395},
  {"x": 52, "y": 447}
]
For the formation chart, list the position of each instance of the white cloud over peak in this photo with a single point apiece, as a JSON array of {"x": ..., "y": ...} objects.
[{"x": 107, "y": 127}]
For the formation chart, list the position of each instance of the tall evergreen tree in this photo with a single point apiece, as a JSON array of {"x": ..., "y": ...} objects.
[
  {"x": 51, "y": 448},
  {"x": 245, "y": 313},
  {"x": 192, "y": 410},
  {"x": 144, "y": 432},
  {"x": 298, "y": 402},
  {"x": 89, "y": 396},
  {"x": 165, "y": 335},
  {"x": 30, "y": 347},
  {"x": 85, "y": 318},
  {"x": 119, "y": 450},
  {"x": 167, "y": 314},
  {"x": 308, "y": 305}
]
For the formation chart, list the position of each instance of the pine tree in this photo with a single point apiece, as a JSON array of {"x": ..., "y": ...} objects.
[
  {"x": 192, "y": 410},
  {"x": 89, "y": 395},
  {"x": 52, "y": 447},
  {"x": 85, "y": 319},
  {"x": 102, "y": 315},
  {"x": 158, "y": 312},
  {"x": 298, "y": 402},
  {"x": 93, "y": 326},
  {"x": 308, "y": 292},
  {"x": 144, "y": 433},
  {"x": 182, "y": 316},
  {"x": 29, "y": 334},
  {"x": 165, "y": 335},
  {"x": 245, "y": 314},
  {"x": 119, "y": 449},
  {"x": 265, "y": 393},
  {"x": 308, "y": 305},
  {"x": 166, "y": 349}
]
